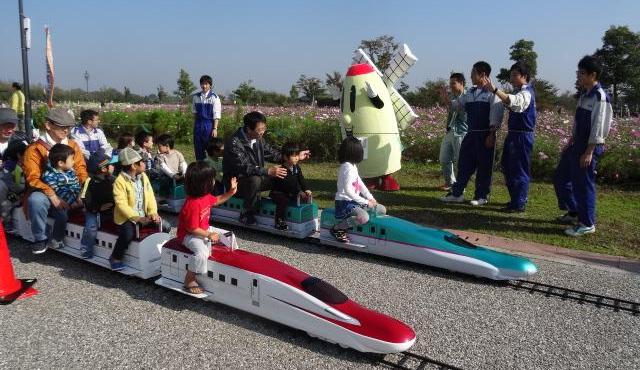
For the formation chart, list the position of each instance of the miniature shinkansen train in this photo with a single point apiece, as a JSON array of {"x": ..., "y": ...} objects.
[
  {"x": 386, "y": 236},
  {"x": 247, "y": 281}
]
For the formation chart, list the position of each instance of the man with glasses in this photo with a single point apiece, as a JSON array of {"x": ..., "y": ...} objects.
[
  {"x": 244, "y": 158},
  {"x": 58, "y": 123}
]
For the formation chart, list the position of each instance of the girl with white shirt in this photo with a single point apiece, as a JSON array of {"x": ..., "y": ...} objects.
[{"x": 353, "y": 201}]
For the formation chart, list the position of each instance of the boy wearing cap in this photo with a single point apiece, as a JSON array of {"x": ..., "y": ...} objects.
[
  {"x": 42, "y": 196},
  {"x": 97, "y": 196},
  {"x": 134, "y": 204},
  {"x": 89, "y": 137},
  {"x": 207, "y": 109}
]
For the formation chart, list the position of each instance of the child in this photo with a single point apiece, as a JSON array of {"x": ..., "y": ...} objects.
[
  {"x": 89, "y": 137},
  {"x": 289, "y": 187},
  {"x": 144, "y": 145},
  {"x": 351, "y": 207},
  {"x": 61, "y": 177},
  {"x": 193, "y": 222},
  {"x": 97, "y": 195},
  {"x": 124, "y": 141},
  {"x": 215, "y": 151},
  {"x": 170, "y": 161},
  {"x": 12, "y": 181},
  {"x": 134, "y": 204}
]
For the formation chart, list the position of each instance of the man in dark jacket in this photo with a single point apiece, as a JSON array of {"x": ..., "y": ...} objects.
[{"x": 244, "y": 157}]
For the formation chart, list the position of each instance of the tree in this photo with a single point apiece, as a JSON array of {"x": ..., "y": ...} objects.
[
  {"x": 310, "y": 87},
  {"x": 380, "y": 50},
  {"x": 162, "y": 95},
  {"x": 522, "y": 50},
  {"x": 185, "y": 87},
  {"x": 293, "y": 93},
  {"x": 620, "y": 58},
  {"x": 245, "y": 91},
  {"x": 546, "y": 94},
  {"x": 334, "y": 79},
  {"x": 127, "y": 94},
  {"x": 427, "y": 95}
]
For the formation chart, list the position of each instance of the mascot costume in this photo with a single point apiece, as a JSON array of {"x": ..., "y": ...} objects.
[{"x": 372, "y": 110}]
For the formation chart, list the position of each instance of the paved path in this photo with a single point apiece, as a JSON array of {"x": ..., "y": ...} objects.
[{"x": 89, "y": 316}]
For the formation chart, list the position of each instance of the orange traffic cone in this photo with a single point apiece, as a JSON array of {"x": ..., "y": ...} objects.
[{"x": 10, "y": 287}]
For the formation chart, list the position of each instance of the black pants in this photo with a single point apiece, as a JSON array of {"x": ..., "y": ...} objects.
[
  {"x": 127, "y": 234},
  {"x": 249, "y": 188},
  {"x": 282, "y": 202}
]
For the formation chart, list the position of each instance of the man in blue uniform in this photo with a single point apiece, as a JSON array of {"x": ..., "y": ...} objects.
[
  {"x": 516, "y": 154},
  {"x": 207, "y": 110},
  {"x": 575, "y": 177},
  {"x": 484, "y": 116}
]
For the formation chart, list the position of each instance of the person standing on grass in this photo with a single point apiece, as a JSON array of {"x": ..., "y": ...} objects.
[
  {"x": 456, "y": 129},
  {"x": 17, "y": 103},
  {"x": 207, "y": 110},
  {"x": 516, "y": 154},
  {"x": 575, "y": 177},
  {"x": 484, "y": 117}
]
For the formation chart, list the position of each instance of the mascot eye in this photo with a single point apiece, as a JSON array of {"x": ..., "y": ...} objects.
[{"x": 352, "y": 99}]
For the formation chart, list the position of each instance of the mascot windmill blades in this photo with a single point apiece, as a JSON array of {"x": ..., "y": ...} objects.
[{"x": 373, "y": 111}]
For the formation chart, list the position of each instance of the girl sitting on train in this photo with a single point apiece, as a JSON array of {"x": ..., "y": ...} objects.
[
  {"x": 193, "y": 222},
  {"x": 353, "y": 199},
  {"x": 289, "y": 187}
]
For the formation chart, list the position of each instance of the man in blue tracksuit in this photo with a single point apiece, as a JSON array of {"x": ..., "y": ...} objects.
[
  {"x": 206, "y": 110},
  {"x": 575, "y": 177},
  {"x": 516, "y": 154},
  {"x": 484, "y": 116}
]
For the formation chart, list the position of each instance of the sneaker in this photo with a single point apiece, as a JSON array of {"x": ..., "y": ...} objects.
[
  {"x": 580, "y": 230},
  {"x": 339, "y": 234},
  {"x": 568, "y": 218},
  {"x": 450, "y": 198},
  {"x": 281, "y": 225},
  {"x": 116, "y": 266},
  {"x": 85, "y": 253},
  {"x": 479, "y": 202},
  {"x": 39, "y": 247},
  {"x": 55, "y": 244},
  {"x": 248, "y": 219}
]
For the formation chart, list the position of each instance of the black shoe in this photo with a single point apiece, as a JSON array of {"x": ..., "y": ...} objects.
[
  {"x": 514, "y": 210},
  {"x": 339, "y": 234},
  {"x": 248, "y": 219},
  {"x": 281, "y": 225}
]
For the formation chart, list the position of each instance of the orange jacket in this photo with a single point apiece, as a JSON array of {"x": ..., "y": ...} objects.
[{"x": 36, "y": 158}]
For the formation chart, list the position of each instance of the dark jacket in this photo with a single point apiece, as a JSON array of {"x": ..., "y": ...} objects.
[
  {"x": 99, "y": 192},
  {"x": 240, "y": 160},
  {"x": 292, "y": 184}
]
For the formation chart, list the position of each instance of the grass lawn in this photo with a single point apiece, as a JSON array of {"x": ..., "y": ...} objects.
[{"x": 618, "y": 208}]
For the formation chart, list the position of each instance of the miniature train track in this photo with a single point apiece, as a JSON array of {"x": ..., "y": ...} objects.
[
  {"x": 617, "y": 304},
  {"x": 409, "y": 361}
]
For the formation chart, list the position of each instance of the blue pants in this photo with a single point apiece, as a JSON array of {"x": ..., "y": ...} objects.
[
  {"x": 90, "y": 232},
  {"x": 39, "y": 205},
  {"x": 576, "y": 187},
  {"x": 474, "y": 157},
  {"x": 516, "y": 163},
  {"x": 201, "y": 135}
]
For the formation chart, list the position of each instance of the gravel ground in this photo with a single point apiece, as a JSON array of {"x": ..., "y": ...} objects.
[{"x": 89, "y": 316}]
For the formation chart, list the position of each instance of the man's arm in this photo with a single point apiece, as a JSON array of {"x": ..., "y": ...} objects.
[
  {"x": 33, "y": 171},
  {"x": 271, "y": 154},
  {"x": 104, "y": 144}
]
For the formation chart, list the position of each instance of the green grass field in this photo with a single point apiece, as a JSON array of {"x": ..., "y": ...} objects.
[{"x": 618, "y": 208}]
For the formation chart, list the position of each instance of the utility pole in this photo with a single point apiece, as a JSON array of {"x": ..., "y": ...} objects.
[
  {"x": 86, "y": 78},
  {"x": 25, "y": 67}
]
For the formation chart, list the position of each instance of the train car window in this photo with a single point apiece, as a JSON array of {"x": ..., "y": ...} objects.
[
  {"x": 210, "y": 274},
  {"x": 359, "y": 228},
  {"x": 323, "y": 291},
  {"x": 234, "y": 281},
  {"x": 373, "y": 230},
  {"x": 221, "y": 277},
  {"x": 383, "y": 231},
  {"x": 174, "y": 258},
  {"x": 110, "y": 245},
  {"x": 289, "y": 214},
  {"x": 459, "y": 241},
  {"x": 271, "y": 213}
]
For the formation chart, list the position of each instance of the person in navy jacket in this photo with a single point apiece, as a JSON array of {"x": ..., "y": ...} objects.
[
  {"x": 575, "y": 177},
  {"x": 516, "y": 153},
  {"x": 206, "y": 109}
]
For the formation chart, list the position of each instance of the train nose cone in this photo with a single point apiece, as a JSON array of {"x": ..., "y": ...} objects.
[{"x": 530, "y": 268}]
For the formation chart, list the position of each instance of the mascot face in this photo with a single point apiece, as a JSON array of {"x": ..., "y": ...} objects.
[{"x": 366, "y": 105}]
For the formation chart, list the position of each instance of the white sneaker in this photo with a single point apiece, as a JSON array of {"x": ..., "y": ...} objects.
[
  {"x": 580, "y": 230},
  {"x": 479, "y": 202},
  {"x": 55, "y": 244},
  {"x": 450, "y": 198}
]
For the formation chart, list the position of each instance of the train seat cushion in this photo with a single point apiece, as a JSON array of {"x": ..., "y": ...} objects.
[{"x": 111, "y": 228}]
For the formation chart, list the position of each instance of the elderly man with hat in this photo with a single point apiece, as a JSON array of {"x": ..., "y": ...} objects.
[{"x": 58, "y": 123}]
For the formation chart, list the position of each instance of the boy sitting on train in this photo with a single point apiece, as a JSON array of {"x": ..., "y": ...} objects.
[
  {"x": 12, "y": 181},
  {"x": 193, "y": 222},
  {"x": 97, "y": 195},
  {"x": 125, "y": 140},
  {"x": 61, "y": 177},
  {"x": 352, "y": 199},
  {"x": 144, "y": 146},
  {"x": 291, "y": 186},
  {"x": 170, "y": 161},
  {"x": 215, "y": 151},
  {"x": 135, "y": 204}
]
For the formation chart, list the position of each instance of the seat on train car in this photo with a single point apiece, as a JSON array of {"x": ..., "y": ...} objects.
[{"x": 111, "y": 228}]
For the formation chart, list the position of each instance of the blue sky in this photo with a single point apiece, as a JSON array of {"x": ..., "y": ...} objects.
[{"x": 142, "y": 44}]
